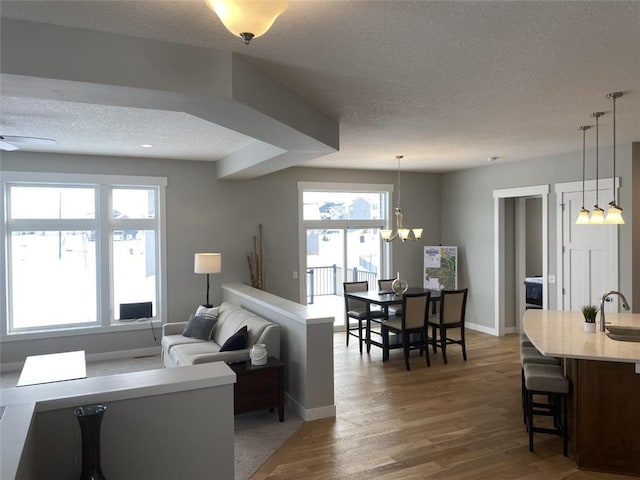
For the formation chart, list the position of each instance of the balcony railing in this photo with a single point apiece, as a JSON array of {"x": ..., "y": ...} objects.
[{"x": 328, "y": 280}]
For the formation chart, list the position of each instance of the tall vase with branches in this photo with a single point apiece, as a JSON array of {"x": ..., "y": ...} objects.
[{"x": 255, "y": 259}]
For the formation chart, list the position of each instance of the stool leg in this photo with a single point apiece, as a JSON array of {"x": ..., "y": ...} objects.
[
  {"x": 529, "y": 406},
  {"x": 565, "y": 424}
]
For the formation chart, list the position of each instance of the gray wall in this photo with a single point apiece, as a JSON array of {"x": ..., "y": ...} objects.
[
  {"x": 205, "y": 214},
  {"x": 467, "y": 218},
  {"x": 149, "y": 437}
]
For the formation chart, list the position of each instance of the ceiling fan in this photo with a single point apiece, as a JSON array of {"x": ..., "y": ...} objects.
[{"x": 10, "y": 143}]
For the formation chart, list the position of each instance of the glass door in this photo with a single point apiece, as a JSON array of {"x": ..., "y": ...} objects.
[{"x": 340, "y": 255}]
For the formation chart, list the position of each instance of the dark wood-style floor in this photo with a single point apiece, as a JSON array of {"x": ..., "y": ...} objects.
[{"x": 457, "y": 421}]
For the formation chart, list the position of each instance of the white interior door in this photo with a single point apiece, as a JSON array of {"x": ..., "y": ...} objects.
[{"x": 589, "y": 254}]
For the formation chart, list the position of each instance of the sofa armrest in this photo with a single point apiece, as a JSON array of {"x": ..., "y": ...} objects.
[{"x": 174, "y": 328}]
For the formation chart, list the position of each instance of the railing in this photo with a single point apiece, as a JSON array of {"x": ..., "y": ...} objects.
[{"x": 328, "y": 280}]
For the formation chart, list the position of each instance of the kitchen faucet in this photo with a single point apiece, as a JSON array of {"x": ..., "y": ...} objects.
[{"x": 605, "y": 298}]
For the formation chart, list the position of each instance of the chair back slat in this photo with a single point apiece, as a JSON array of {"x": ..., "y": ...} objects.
[{"x": 452, "y": 306}]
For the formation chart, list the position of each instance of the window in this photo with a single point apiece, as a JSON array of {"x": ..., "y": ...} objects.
[
  {"x": 77, "y": 246},
  {"x": 340, "y": 224}
]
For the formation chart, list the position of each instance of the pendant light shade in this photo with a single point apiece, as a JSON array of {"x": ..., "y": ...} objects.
[
  {"x": 614, "y": 212},
  {"x": 248, "y": 19},
  {"x": 583, "y": 215}
]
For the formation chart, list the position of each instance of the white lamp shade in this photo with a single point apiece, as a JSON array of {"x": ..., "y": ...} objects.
[
  {"x": 385, "y": 234},
  {"x": 403, "y": 233},
  {"x": 240, "y": 16},
  {"x": 417, "y": 233},
  {"x": 207, "y": 263},
  {"x": 597, "y": 216},
  {"x": 583, "y": 217},
  {"x": 614, "y": 216}
]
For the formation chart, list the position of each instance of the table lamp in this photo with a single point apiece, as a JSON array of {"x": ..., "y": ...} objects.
[{"x": 207, "y": 263}]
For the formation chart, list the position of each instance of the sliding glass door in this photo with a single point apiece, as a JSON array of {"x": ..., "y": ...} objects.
[{"x": 341, "y": 229}]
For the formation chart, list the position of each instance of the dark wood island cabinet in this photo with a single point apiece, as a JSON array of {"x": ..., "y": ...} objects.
[{"x": 604, "y": 400}]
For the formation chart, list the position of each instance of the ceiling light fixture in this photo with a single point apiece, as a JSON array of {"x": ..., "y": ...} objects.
[
  {"x": 614, "y": 212},
  {"x": 402, "y": 233},
  {"x": 583, "y": 215},
  {"x": 146, "y": 145},
  {"x": 247, "y": 19},
  {"x": 597, "y": 216}
]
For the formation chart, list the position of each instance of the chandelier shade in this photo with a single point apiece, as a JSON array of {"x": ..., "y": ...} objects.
[{"x": 247, "y": 19}]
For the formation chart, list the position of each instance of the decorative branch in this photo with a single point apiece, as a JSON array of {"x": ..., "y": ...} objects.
[{"x": 256, "y": 261}]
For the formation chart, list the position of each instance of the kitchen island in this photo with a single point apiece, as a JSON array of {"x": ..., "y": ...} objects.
[{"x": 604, "y": 400}]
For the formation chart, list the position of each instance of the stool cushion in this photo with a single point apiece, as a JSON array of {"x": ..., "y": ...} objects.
[
  {"x": 532, "y": 355},
  {"x": 545, "y": 378}
]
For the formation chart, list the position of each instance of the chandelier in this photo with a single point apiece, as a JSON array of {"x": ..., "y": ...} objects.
[
  {"x": 402, "y": 233},
  {"x": 247, "y": 19}
]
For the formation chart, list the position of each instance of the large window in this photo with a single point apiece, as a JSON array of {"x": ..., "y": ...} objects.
[
  {"x": 77, "y": 247},
  {"x": 341, "y": 225}
]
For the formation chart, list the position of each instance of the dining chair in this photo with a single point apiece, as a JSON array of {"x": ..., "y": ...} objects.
[
  {"x": 453, "y": 304},
  {"x": 413, "y": 321},
  {"x": 357, "y": 310},
  {"x": 384, "y": 285}
]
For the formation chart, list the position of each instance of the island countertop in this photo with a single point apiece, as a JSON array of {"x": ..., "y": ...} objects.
[{"x": 561, "y": 334}]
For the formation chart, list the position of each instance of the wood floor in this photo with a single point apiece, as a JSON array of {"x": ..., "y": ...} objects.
[{"x": 457, "y": 421}]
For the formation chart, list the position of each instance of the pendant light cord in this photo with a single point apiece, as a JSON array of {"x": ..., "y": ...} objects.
[
  {"x": 399, "y": 157},
  {"x": 584, "y": 130},
  {"x": 613, "y": 97},
  {"x": 597, "y": 116}
]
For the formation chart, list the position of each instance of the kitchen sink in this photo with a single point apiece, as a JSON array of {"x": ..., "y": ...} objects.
[{"x": 623, "y": 333}]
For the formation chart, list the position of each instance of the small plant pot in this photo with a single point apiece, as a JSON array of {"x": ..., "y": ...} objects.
[{"x": 590, "y": 327}]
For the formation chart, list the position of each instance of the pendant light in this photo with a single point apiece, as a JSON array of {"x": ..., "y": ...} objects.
[
  {"x": 614, "y": 212},
  {"x": 597, "y": 216},
  {"x": 583, "y": 216},
  {"x": 402, "y": 233}
]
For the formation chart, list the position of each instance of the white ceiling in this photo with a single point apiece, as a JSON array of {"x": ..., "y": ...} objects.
[{"x": 447, "y": 84}]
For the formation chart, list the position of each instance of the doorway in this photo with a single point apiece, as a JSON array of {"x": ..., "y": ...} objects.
[{"x": 510, "y": 253}]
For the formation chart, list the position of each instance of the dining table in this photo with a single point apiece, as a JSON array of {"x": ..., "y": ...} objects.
[{"x": 385, "y": 299}]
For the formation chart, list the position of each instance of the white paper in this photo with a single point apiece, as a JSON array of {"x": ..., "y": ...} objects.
[
  {"x": 432, "y": 284},
  {"x": 432, "y": 258}
]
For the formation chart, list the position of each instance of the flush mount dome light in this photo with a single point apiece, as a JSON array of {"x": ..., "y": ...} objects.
[{"x": 247, "y": 19}]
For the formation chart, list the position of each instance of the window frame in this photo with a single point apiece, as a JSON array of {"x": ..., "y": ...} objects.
[
  {"x": 385, "y": 212},
  {"x": 103, "y": 224}
]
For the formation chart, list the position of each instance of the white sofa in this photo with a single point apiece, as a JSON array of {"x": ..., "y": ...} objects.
[{"x": 178, "y": 350}]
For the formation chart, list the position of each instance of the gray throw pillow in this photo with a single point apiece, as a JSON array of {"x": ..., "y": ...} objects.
[{"x": 200, "y": 326}]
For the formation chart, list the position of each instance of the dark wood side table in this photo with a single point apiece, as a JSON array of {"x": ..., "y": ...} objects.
[{"x": 259, "y": 387}]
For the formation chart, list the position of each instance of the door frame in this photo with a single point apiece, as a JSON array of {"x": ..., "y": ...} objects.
[
  {"x": 604, "y": 185},
  {"x": 499, "y": 197}
]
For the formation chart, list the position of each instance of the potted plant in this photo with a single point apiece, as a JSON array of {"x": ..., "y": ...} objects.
[{"x": 589, "y": 313}]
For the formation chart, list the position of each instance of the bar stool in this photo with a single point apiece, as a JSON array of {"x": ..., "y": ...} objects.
[
  {"x": 530, "y": 354},
  {"x": 547, "y": 380}
]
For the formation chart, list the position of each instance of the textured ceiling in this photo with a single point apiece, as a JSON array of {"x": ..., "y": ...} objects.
[{"x": 447, "y": 84}]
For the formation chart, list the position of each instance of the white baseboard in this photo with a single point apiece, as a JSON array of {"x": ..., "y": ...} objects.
[
  {"x": 307, "y": 414},
  {"x": 95, "y": 357},
  {"x": 510, "y": 330},
  {"x": 481, "y": 328}
]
